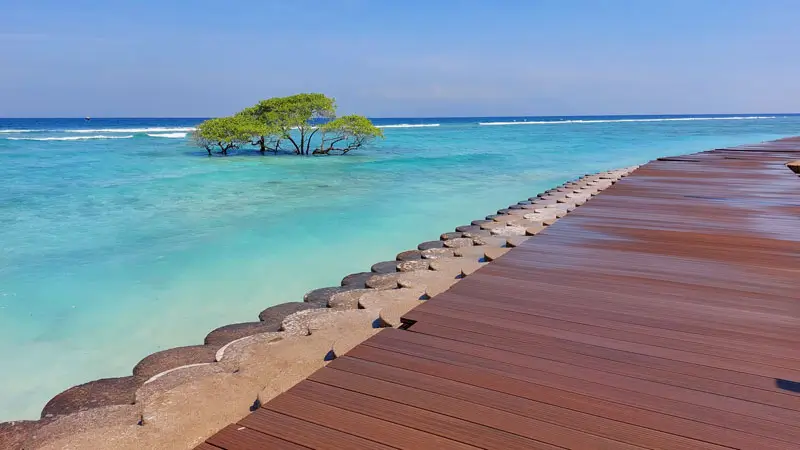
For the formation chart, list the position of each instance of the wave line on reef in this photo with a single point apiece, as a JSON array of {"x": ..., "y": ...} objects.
[{"x": 665, "y": 119}]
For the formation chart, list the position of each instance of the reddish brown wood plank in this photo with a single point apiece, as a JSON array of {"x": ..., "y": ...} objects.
[
  {"x": 305, "y": 433},
  {"x": 534, "y": 423},
  {"x": 397, "y": 376},
  {"x": 237, "y": 437},
  {"x": 624, "y": 366},
  {"x": 423, "y": 421},
  {"x": 353, "y": 418},
  {"x": 524, "y": 382}
]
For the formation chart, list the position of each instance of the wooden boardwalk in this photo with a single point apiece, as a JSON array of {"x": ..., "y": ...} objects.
[{"x": 664, "y": 314}]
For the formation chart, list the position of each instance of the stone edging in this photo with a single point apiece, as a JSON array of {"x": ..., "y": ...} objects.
[{"x": 177, "y": 397}]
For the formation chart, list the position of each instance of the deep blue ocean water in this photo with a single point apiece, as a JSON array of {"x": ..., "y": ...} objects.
[{"x": 118, "y": 239}]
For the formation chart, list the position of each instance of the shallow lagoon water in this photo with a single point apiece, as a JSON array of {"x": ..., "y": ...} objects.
[{"x": 115, "y": 248}]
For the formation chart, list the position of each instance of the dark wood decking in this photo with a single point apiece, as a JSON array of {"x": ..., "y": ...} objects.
[{"x": 663, "y": 314}]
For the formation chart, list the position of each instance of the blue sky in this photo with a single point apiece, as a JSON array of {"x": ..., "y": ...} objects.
[{"x": 399, "y": 58}]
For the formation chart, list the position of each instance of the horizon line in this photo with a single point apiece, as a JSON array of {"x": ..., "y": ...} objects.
[{"x": 427, "y": 117}]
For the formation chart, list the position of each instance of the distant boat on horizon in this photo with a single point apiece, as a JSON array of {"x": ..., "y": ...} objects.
[{"x": 87, "y": 118}]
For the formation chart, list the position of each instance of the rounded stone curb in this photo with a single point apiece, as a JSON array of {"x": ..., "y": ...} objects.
[
  {"x": 794, "y": 166},
  {"x": 533, "y": 230},
  {"x": 467, "y": 228},
  {"x": 433, "y": 283},
  {"x": 356, "y": 280},
  {"x": 174, "y": 357},
  {"x": 472, "y": 253},
  {"x": 94, "y": 420},
  {"x": 433, "y": 253},
  {"x": 430, "y": 244},
  {"x": 274, "y": 315},
  {"x": 491, "y": 241},
  {"x": 338, "y": 323},
  {"x": 480, "y": 223},
  {"x": 390, "y": 315},
  {"x": 411, "y": 266},
  {"x": 381, "y": 299},
  {"x": 456, "y": 266},
  {"x": 297, "y": 324},
  {"x": 14, "y": 435},
  {"x": 175, "y": 377},
  {"x": 477, "y": 234},
  {"x": 384, "y": 267},
  {"x": 347, "y": 300},
  {"x": 94, "y": 394},
  {"x": 236, "y": 350},
  {"x": 492, "y": 225},
  {"x": 409, "y": 255},
  {"x": 322, "y": 296},
  {"x": 451, "y": 235},
  {"x": 494, "y": 253},
  {"x": 509, "y": 230},
  {"x": 234, "y": 331},
  {"x": 383, "y": 281},
  {"x": 516, "y": 241},
  {"x": 458, "y": 242}
]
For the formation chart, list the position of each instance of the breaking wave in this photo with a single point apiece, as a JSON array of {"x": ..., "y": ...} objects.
[
  {"x": 134, "y": 130},
  {"x": 664, "y": 119},
  {"x": 68, "y": 138},
  {"x": 19, "y": 131},
  {"x": 409, "y": 125},
  {"x": 168, "y": 135}
]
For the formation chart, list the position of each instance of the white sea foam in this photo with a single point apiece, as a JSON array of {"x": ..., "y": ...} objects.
[
  {"x": 409, "y": 125},
  {"x": 168, "y": 135},
  {"x": 19, "y": 131},
  {"x": 68, "y": 138},
  {"x": 134, "y": 130},
  {"x": 664, "y": 119}
]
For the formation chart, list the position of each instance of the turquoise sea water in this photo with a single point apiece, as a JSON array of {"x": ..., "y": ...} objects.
[{"x": 118, "y": 239}]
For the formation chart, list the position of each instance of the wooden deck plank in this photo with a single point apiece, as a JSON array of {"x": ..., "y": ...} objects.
[
  {"x": 663, "y": 314},
  {"x": 482, "y": 435},
  {"x": 305, "y": 433},
  {"x": 351, "y": 418},
  {"x": 236, "y": 437},
  {"x": 627, "y": 367},
  {"x": 521, "y": 381},
  {"x": 499, "y": 417},
  {"x": 580, "y": 349},
  {"x": 399, "y": 376},
  {"x": 617, "y": 344},
  {"x": 599, "y": 324}
]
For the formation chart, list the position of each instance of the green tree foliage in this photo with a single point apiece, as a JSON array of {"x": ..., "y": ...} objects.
[
  {"x": 347, "y": 133},
  {"x": 295, "y": 119},
  {"x": 269, "y": 134},
  {"x": 227, "y": 133}
]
